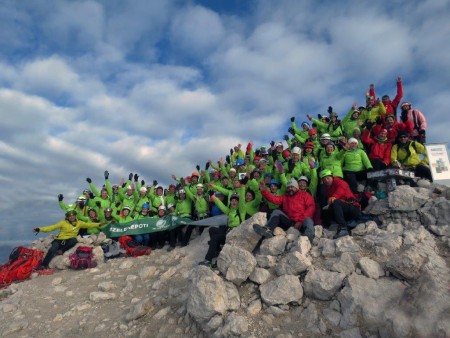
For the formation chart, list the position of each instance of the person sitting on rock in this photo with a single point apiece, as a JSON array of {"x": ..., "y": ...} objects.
[
  {"x": 405, "y": 154},
  {"x": 296, "y": 210},
  {"x": 235, "y": 213},
  {"x": 342, "y": 205},
  {"x": 66, "y": 238}
]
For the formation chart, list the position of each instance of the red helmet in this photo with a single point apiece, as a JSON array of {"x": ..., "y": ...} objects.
[
  {"x": 286, "y": 153},
  {"x": 309, "y": 144},
  {"x": 257, "y": 158},
  {"x": 195, "y": 174},
  {"x": 312, "y": 132}
]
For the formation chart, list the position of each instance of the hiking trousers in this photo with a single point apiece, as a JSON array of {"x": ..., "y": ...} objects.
[{"x": 58, "y": 245}]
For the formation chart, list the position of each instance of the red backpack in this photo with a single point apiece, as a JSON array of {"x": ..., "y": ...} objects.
[
  {"x": 20, "y": 265},
  {"x": 82, "y": 258},
  {"x": 133, "y": 249}
]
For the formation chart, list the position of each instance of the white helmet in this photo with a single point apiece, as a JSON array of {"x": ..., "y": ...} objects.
[
  {"x": 296, "y": 150},
  {"x": 325, "y": 136}
]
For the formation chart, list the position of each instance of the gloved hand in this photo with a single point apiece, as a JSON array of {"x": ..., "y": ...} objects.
[
  {"x": 88, "y": 180},
  {"x": 130, "y": 177},
  {"x": 207, "y": 165},
  {"x": 369, "y": 124},
  {"x": 286, "y": 138},
  {"x": 423, "y": 136},
  {"x": 118, "y": 212},
  {"x": 123, "y": 185},
  {"x": 228, "y": 159},
  {"x": 244, "y": 180},
  {"x": 272, "y": 143},
  {"x": 60, "y": 197},
  {"x": 330, "y": 109},
  {"x": 36, "y": 230},
  {"x": 142, "y": 183},
  {"x": 91, "y": 195},
  {"x": 257, "y": 152},
  {"x": 106, "y": 173},
  {"x": 319, "y": 116},
  {"x": 231, "y": 151},
  {"x": 292, "y": 118},
  {"x": 98, "y": 204},
  {"x": 117, "y": 204},
  {"x": 291, "y": 130},
  {"x": 379, "y": 120},
  {"x": 155, "y": 183},
  {"x": 311, "y": 162},
  {"x": 198, "y": 167},
  {"x": 136, "y": 177}
]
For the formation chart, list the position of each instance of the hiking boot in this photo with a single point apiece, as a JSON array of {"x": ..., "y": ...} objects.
[
  {"x": 341, "y": 232},
  {"x": 205, "y": 262},
  {"x": 262, "y": 230},
  {"x": 170, "y": 248}
]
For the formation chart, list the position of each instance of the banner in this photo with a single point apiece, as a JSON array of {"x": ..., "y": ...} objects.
[
  {"x": 439, "y": 162},
  {"x": 144, "y": 226},
  {"x": 149, "y": 225}
]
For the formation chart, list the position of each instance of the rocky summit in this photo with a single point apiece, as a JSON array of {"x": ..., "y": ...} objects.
[{"x": 390, "y": 278}]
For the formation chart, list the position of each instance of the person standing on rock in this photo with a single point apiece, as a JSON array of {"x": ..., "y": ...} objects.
[
  {"x": 296, "y": 210},
  {"x": 66, "y": 238},
  {"x": 236, "y": 215},
  {"x": 342, "y": 205}
]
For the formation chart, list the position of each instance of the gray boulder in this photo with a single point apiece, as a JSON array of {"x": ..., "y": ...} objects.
[
  {"x": 322, "y": 284},
  {"x": 282, "y": 290},
  {"x": 235, "y": 264}
]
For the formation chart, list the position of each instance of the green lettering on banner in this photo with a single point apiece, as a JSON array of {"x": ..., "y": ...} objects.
[{"x": 144, "y": 226}]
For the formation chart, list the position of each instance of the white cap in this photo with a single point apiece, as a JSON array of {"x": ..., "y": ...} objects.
[
  {"x": 161, "y": 207},
  {"x": 232, "y": 169},
  {"x": 170, "y": 206},
  {"x": 325, "y": 136},
  {"x": 296, "y": 150},
  {"x": 352, "y": 140},
  {"x": 143, "y": 189},
  {"x": 278, "y": 144},
  {"x": 199, "y": 186},
  {"x": 292, "y": 183},
  {"x": 303, "y": 178}
]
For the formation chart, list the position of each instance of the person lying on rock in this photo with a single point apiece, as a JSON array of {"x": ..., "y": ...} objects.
[
  {"x": 236, "y": 215},
  {"x": 67, "y": 236},
  {"x": 342, "y": 206},
  {"x": 296, "y": 210}
]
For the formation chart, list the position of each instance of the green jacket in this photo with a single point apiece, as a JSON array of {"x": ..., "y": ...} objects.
[
  {"x": 355, "y": 160},
  {"x": 408, "y": 155},
  {"x": 201, "y": 205},
  {"x": 235, "y": 215},
  {"x": 183, "y": 208},
  {"x": 349, "y": 124},
  {"x": 332, "y": 162}
]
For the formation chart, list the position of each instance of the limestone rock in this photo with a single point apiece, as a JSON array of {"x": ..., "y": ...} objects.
[
  {"x": 293, "y": 263},
  {"x": 282, "y": 290},
  {"x": 322, "y": 284},
  {"x": 139, "y": 309},
  {"x": 244, "y": 236},
  {"x": 273, "y": 246},
  {"x": 209, "y": 295},
  {"x": 370, "y": 268},
  {"x": 260, "y": 275},
  {"x": 235, "y": 264},
  {"x": 99, "y": 296}
]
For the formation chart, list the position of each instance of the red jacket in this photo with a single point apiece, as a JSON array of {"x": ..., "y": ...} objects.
[
  {"x": 378, "y": 150},
  {"x": 298, "y": 206},
  {"x": 340, "y": 190},
  {"x": 391, "y": 106}
]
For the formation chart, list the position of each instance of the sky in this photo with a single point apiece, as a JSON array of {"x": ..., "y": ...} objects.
[{"x": 157, "y": 87}]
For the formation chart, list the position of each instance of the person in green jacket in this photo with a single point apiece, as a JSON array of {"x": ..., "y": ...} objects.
[
  {"x": 67, "y": 236},
  {"x": 351, "y": 121},
  {"x": 355, "y": 164},
  {"x": 235, "y": 214},
  {"x": 331, "y": 159}
]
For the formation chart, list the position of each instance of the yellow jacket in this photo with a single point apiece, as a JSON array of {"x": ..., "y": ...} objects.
[
  {"x": 408, "y": 156},
  {"x": 66, "y": 229}
]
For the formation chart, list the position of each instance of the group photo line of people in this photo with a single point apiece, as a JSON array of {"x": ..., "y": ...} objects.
[{"x": 317, "y": 174}]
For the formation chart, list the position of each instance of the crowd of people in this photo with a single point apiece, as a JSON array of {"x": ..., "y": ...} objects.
[{"x": 317, "y": 176}]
